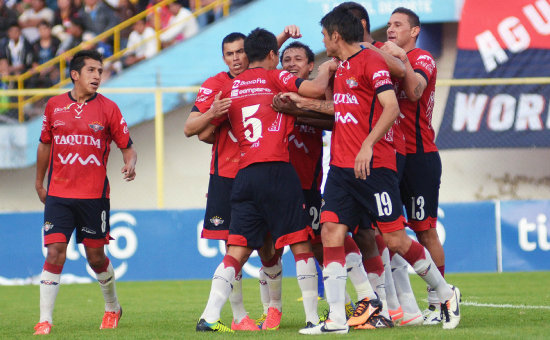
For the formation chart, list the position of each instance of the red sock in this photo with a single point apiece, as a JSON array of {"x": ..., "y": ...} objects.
[
  {"x": 380, "y": 243},
  {"x": 102, "y": 268},
  {"x": 442, "y": 270},
  {"x": 230, "y": 261},
  {"x": 334, "y": 254},
  {"x": 415, "y": 253},
  {"x": 52, "y": 268},
  {"x": 273, "y": 261},
  {"x": 374, "y": 265},
  {"x": 303, "y": 256},
  {"x": 350, "y": 246}
]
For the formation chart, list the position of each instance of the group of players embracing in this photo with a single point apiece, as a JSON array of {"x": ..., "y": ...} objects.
[{"x": 265, "y": 126}]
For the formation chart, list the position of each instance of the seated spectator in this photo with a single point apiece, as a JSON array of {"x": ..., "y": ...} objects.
[
  {"x": 6, "y": 114},
  {"x": 62, "y": 18},
  {"x": 43, "y": 50},
  {"x": 97, "y": 16},
  {"x": 163, "y": 11},
  {"x": 76, "y": 30},
  {"x": 125, "y": 11},
  {"x": 30, "y": 18},
  {"x": 17, "y": 50},
  {"x": 8, "y": 17},
  {"x": 210, "y": 16},
  {"x": 182, "y": 25},
  {"x": 139, "y": 50}
]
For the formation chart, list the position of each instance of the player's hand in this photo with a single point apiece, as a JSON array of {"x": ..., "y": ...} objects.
[
  {"x": 292, "y": 31},
  {"x": 220, "y": 106},
  {"x": 392, "y": 49},
  {"x": 295, "y": 98},
  {"x": 331, "y": 65},
  {"x": 41, "y": 193},
  {"x": 362, "y": 162},
  {"x": 129, "y": 172},
  {"x": 284, "y": 104}
]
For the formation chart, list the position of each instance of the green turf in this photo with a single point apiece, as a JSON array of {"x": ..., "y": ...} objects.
[{"x": 170, "y": 309}]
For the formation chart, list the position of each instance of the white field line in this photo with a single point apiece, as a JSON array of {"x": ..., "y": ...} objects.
[{"x": 492, "y": 305}]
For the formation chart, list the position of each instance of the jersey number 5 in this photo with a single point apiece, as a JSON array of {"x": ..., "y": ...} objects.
[{"x": 256, "y": 133}]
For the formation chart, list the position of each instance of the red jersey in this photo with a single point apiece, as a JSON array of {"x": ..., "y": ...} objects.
[
  {"x": 305, "y": 145},
  {"x": 80, "y": 135},
  {"x": 225, "y": 150},
  {"x": 398, "y": 135},
  {"x": 417, "y": 123},
  {"x": 357, "y": 82},
  {"x": 262, "y": 133}
]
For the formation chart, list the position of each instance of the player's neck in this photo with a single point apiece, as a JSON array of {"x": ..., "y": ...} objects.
[
  {"x": 263, "y": 64},
  {"x": 347, "y": 50},
  {"x": 81, "y": 96},
  {"x": 409, "y": 46}
]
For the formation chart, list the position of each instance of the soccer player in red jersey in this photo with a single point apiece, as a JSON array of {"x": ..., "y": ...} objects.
[
  {"x": 422, "y": 176},
  {"x": 363, "y": 174},
  {"x": 266, "y": 194},
  {"x": 77, "y": 131}
]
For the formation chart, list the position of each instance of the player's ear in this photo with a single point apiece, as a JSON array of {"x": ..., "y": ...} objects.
[
  {"x": 415, "y": 31},
  {"x": 75, "y": 75}
]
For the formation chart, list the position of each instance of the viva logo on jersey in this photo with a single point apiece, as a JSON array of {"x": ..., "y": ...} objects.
[{"x": 512, "y": 42}]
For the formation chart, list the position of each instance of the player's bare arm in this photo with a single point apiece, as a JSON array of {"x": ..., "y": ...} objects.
[
  {"x": 197, "y": 121},
  {"x": 316, "y": 88},
  {"x": 129, "y": 156},
  {"x": 42, "y": 160},
  {"x": 317, "y": 105},
  {"x": 413, "y": 83},
  {"x": 388, "y": 100},
  {"x": 395, "y": 65},
  {"x": 322, "y": 122},
  {"x": 207, "y": 135},
  {"x": 290, "y": 31}
]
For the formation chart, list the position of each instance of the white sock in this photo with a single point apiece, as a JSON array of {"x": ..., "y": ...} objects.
[
  {"x": 433, "y": 299},
  {"x": 274, "y": 279},
  {"x": 108, "y": 288},
  {"x": 236, "y": 299},
  {"x": 49, "y": 286},
  {"x": 306, "y": 272},
  {"x": 378, "y": 282},
  {"x": 334, "y": 275},
  {"x": 219, "y": 292},
  {"x": 264, "y": 290},
  {"x": 428, "y": 271},
  {"x": 391, "y": 295},
  {"x": 402, "y": 282},
  {"x": 358, "y": 276}
]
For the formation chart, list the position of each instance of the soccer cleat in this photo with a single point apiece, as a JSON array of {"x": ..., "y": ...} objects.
[
  {"x": 326, "y": 327},
  {"x": 396, "y": 315},
  {"x": 450, "y": 310},
  {"x": 246, "y": 324},
  {"x": 42, "y": 328},
  {"x": 412, "y": 319},
  {"x": 110, "y": 319},
  {"x": 376, "y": 321},
  {"x": 350, "y": 308},
  {"x": 273, "y": 319},
  {"x": 203, "y": 326},
  {"x": 432, "y": 315},
  {"x": 260, "y": 321},
  {"x": 364, "y": 309}
]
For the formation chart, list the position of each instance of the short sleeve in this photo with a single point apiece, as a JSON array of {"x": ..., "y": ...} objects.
[
  {"x": 377, "y": 70},
  {"x": 46, "y": 132},
  {"x": 286, "y": 81},
  {"x": 424, "y": 65},
  {"x": 119, "y": 129},
  {"x": 207, "y": 93}
]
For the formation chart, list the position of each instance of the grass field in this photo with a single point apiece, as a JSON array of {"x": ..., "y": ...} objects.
[{"x": 170, "y": 309}]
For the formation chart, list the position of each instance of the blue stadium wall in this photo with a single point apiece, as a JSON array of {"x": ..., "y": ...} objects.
[{"x": 166, "y": 244}]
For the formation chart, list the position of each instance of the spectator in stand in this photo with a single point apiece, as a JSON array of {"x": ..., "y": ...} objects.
[
  {"x": 182, "y": 24},
  {"x": 17, "y": 50},
  {"x": 125, "y": 11},
  {"x": 163, "y": 11},
  {"x": 66, "y": 10},
  {"x": 97, "y": 16},
  {"x": 76, "y": 30},
  {"x": 210, "y": 16},
  {"x": 30, "y": 18},
  {"x": 8, "y": 17},
  {"x": 44, "y": 49},
  {"x": 139, "y": 50}
]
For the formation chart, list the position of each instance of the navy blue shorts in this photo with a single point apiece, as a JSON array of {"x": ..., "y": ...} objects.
[
  {"x": 420, "y": 189},
  {"x": 400, "y": 164},
  {"x": 89, "y": 217},
  {"x": 313, "y": 207},
  {"x": 347, "y": 199},
  {"x": 218, "y": 208},
  {"x": 267, "y": 197}
]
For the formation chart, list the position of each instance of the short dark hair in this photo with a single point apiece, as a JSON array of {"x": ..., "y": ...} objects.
[
  {"x": 78, "y": 61},
  {"x": 359, "y": 11},
  {"x": 343, "y": 21},
  {"x": 232, "y": 37},
  {"x": 259, "y": 43},
  {"x": 414, "y": 20},
  {"x": 296, "y": 44}
]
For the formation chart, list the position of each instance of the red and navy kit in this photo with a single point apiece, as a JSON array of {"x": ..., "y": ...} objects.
[
  {"x": 225, "y": 150},
  {"x": 306, "y": 154},
  {"x": 80, "y": 135},
  {"x": 357, "y": 82},
  {"x": 417, "y": 123}
]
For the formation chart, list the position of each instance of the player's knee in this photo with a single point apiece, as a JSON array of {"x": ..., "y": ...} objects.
[
  {"x": 428, "y": 237},
  {"x": 56, "y": 255}
]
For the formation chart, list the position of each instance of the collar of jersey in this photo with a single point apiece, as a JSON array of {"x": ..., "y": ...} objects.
[{"x": 74, "y": 100}]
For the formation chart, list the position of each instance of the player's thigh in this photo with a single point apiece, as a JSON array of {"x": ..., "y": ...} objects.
[
  {"x": 93, "y": 222},
  {"x": 59, "y": 220},
  {"x": 217, "y": 217},
  {"x": 339, "y": 205}
]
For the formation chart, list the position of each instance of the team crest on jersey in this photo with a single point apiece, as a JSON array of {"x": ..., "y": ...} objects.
[
  {"x": 352, "y": 82},
  {"x": 96, "y": 126},
  {"x": 216, "y": 220},
  {"x": 48, "y": 226}
]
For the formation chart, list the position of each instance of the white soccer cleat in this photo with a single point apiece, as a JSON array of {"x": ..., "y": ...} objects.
[
  {"x": 432, "y": 315},
  {"x": 451, "y": 310},
  {"x": 326, "y": 327},
  {"x": 411, "y": 319}
]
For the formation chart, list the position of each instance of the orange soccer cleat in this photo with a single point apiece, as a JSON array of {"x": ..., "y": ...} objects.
[
  {"x": 43, "y": 328},
  {"x": 110, "y": 319}
]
